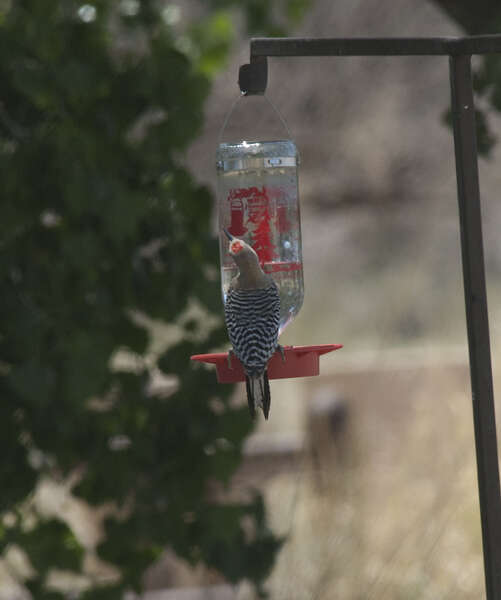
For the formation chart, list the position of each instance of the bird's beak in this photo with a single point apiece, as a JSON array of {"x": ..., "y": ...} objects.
[{"x": 228, "y": 234}]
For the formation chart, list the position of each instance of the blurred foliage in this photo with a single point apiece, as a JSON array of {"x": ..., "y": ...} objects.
[
  {"x": 487, "y": 85},
  {"x": 474, "y": 19},
  {"x": 264, "y": 18},
  {"x": 102, "y": 223},
  {"x": 485, "y": 138},
  {"x": 483, "y": 17}
]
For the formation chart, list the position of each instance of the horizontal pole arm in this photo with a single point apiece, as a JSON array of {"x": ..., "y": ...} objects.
[{"x": 479, "y": 44}]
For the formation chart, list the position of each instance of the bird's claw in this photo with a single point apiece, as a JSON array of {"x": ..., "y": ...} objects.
[
  {"x": 282, "y": 352},
  {"x": 230, "y": 354}
]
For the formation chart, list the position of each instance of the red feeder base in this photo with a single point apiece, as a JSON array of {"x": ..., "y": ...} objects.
[{"x": 300, "y": 361}]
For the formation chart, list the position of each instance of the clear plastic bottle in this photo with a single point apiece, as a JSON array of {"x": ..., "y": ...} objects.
[{"x": 259, "y": 203}]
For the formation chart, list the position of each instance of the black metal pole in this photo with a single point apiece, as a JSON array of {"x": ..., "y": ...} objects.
[
  {"x": 445, "y": 46},
  {"x": 463, "y": 114}
]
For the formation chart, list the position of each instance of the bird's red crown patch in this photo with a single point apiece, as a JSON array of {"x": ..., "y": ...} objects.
[{"x": 236, "y": 246}]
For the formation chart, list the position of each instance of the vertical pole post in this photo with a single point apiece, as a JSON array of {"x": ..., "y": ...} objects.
[{"x": 463, "y": 116}]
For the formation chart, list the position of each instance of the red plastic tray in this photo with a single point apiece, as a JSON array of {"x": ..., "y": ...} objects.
[{"x": 300, "y": 361}]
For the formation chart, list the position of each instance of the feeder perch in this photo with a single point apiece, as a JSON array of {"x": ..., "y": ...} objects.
[{"x": 300, "y": 361}]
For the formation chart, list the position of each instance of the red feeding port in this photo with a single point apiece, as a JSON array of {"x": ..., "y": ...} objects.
[{"x": 300, "y": 361}]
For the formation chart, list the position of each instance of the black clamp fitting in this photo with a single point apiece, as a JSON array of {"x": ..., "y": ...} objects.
[{"x": 253, "y": 77}]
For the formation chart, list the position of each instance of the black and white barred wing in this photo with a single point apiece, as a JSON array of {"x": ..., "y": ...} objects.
[{"x": 253, "y": 319}]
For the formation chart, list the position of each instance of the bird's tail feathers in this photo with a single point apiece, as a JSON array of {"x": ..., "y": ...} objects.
[
  {"x": 258, "y": 393},
  {"x": 250, "y": 397}
]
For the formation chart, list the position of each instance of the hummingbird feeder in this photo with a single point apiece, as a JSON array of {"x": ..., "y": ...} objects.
[{"x": 258, "y": 202}]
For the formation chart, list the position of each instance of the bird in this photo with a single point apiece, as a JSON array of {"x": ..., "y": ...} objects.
[{"x": 252, "y": 315}]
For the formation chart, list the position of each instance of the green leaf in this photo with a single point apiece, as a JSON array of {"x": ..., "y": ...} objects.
[
  {"x": 296, "y": 9},
  {"x": 55, "y": 539},
  {"x": 32, "y": 382},
  {"x": 133, "y": 336},
  {"x": 212, "y": 39},
  {"x": 177, "y": 358},
  {"x": 485, "y": 139}
]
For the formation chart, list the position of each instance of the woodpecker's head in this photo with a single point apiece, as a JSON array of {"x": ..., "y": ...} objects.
[
  {"x": 238, "y": 248},
  {"x": 251, "y": 274}
]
